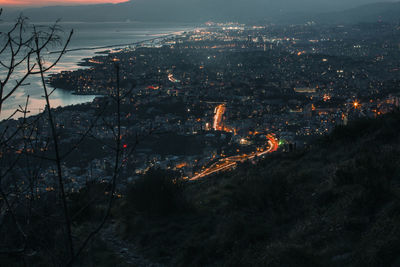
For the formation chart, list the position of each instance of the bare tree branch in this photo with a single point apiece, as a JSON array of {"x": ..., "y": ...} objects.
[
  {"x": 57, "y": 152},
  {"x": 114, "y": 178}
]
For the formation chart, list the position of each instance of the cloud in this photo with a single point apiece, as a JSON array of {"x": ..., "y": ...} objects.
[{"x": 55, "y": 2}]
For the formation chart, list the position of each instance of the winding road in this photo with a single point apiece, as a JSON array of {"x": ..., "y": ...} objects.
[{"x": 230, "y": 162}]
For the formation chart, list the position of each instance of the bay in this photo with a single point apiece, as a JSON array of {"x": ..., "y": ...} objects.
[{"x": 86, "y": 35}]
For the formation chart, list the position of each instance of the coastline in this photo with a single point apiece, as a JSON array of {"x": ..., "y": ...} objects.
[
  {"x": 85, "y": 62},
  {"x": 117, "y": 45},
  {"x": 63, "y": 97}
]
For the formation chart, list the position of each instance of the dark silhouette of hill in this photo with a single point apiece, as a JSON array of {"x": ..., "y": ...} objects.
[
  {"x": 155, "y": 10},
  {"x": 386, "y": 12},
  {"x": 220, "y": 10},
  {"x": 335, "y": 204}
]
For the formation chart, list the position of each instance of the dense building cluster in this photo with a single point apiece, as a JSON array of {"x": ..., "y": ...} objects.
[{"x": 294, "y": 82}]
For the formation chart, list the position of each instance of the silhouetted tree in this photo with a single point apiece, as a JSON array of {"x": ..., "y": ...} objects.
[{"x": 36, "y": 219}]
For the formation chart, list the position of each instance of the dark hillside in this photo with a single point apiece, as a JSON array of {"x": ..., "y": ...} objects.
[{"x": 336, "y": 204}]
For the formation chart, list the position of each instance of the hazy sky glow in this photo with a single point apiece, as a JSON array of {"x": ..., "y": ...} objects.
[{"x": 54, "y": 2}]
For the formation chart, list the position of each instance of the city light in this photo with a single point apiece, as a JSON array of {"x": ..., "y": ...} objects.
[
  {"x": 219, "y": 112},
  {"x": 231, "y": 162}
]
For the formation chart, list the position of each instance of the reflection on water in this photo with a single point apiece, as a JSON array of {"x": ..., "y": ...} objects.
[
  {"x": 85, "y": 35},
  {"x": 34, "y": 89}
]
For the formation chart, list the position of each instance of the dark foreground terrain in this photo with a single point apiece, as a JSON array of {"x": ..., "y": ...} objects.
[{"x": 335, "y": 204}]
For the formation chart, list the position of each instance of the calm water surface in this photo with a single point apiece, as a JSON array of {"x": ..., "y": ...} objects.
[{"x": 86, "y": 35}]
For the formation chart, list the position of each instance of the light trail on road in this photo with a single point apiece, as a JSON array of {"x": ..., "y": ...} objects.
[
  {"x": 219, "y": 113},
  {"x": 230, "y": 162}
]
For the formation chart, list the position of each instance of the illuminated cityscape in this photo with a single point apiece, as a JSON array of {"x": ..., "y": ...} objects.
[
  {"x": 233, "y": 92},
  {"x": 229, "y": 144}
]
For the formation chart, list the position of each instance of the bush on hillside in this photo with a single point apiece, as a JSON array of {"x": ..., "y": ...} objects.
[
  {"x": 272, "y": 194},
  {"x": 158, "y": 192}
]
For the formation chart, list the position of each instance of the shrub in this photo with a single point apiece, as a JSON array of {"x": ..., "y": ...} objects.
[
  {"x": 88, "y": 204},
  {"x": 158, "y": 192},
  {"x": 288, "y": 255},
  {"x": 273, "y": 194}
]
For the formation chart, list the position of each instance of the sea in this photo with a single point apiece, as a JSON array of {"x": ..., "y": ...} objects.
[{"x": 87, "y": 40}]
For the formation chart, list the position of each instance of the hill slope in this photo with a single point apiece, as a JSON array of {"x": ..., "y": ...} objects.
[
  {"x": 387, "y": 12},
  {"x": 337, "y": 204},
  {"x": 220, "y": 10}
]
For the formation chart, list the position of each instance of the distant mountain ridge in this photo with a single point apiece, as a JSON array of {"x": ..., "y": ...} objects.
[
  {"x": 387, "y": 12},
  {"x": 218, "y": 10}
]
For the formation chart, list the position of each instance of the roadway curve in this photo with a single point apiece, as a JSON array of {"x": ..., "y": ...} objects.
[{"x": 230, "y": 162}]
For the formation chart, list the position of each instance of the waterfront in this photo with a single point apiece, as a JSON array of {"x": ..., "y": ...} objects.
[{"x": 88, "y": 36}]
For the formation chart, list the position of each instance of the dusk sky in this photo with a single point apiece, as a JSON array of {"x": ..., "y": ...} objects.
[{"x": 55, "y": 2}]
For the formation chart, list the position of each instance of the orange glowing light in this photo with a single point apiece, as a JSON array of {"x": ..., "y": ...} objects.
[
  {"x": 313, "y": 107},
  {"x": 327, "y": 97},
  {"x": 181, "y": 165},
  {"x": 219, "y": 112},
  {"x": 230, "y": 162}
]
